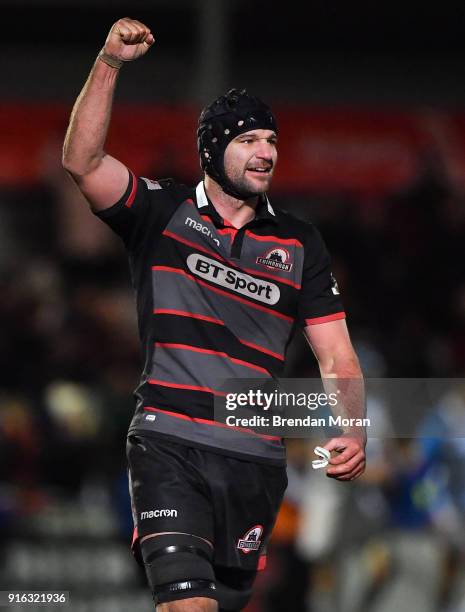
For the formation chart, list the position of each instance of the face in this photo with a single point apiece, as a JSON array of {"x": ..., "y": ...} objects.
[{"x": 250, "y": 159}]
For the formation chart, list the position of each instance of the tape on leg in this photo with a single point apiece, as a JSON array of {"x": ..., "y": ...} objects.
[{"x": 177, "y": 559}]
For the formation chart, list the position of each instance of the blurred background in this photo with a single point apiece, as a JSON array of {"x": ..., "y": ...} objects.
[{"x": 370, "y": 103}]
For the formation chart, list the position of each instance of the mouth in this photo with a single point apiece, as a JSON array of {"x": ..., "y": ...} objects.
[{"x": 259, "y": 170}]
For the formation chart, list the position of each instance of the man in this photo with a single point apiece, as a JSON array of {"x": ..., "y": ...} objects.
[{"x": 221, "y": 277}]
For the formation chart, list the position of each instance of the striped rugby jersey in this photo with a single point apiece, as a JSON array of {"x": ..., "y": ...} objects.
[{"x": 214, "y": 303}]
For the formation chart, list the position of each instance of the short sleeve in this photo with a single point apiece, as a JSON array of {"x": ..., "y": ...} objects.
[
  {"x": 137, "y": 210},
  {"x": 319, "y": 300}
]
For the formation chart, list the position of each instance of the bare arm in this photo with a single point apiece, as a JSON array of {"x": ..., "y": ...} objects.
[
  {"x": 337, "y": 359},
  {"x": 102, "y": 178},
  {"x": 333, "y": 349}
]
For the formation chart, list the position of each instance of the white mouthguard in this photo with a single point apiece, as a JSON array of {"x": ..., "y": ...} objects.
[{"x": 325, "y": 457}]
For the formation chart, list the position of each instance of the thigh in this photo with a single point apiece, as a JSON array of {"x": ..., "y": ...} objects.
[
  {"x": 168, "y": 493},
  {"x": 191, "y": 497},
  {"x": 246, "y": 498},
  {"x": 173, "y": 520}
]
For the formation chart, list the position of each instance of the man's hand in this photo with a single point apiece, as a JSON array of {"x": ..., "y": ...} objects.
[
  {"x": 349, "y": 464},
  {"x": 128, "y": 39}
]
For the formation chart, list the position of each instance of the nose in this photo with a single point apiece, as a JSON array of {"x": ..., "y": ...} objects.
[{"x": 264, "y": 149}]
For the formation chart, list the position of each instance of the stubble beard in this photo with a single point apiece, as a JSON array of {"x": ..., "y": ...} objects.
[{"x": 242, "y": 184}]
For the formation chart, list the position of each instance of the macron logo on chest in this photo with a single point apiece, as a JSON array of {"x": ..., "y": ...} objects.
[{"x": 203, "y": 229}]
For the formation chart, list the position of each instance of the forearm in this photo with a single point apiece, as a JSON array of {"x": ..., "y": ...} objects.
[
  {"x": 85, "y": 138},
  {"x": 341, "y": 365},
  {"x": 342, "y": 375}
]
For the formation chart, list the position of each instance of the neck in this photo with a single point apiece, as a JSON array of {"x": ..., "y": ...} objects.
[{"x": 238, "y": 212}]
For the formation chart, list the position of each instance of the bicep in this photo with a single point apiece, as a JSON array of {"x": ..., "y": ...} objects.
[{"x": 104, "y": 185}]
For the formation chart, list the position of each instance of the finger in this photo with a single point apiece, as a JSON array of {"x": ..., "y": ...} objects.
[
  {"x": 345, "y": 456},
  {"x": 351, "y": 475},
  {"x": 358, "y": 474},
  {"x": 337, "y": 444},
  {"x": 135, "y": 36},
  {"x": 121, "y": 30},
  {"x": 140, "y": 25},
  {"x": 348, "y": 466},
  {"x": 142, "y": 35},
  {"x": 142, "y": 30},
  {"x": 127, "y": 35},
  {"x": 357, "y": 460},
  {"x": 149, "y": 39},
  {"x": 344, "y": 477},
  {"x": 127, "y": 22},
  {"x": 130, "y": 32},
  {"x": 354, "y": 475},
  {"x": 147, "y": 36},
  {"x": 346, "y": 447},
  {"x": 345, "y": 470}
]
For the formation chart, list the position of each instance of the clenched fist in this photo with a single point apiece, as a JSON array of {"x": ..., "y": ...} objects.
[{"x": 127, "y": 40}]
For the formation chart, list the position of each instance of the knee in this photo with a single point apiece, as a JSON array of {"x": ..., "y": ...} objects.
[
  {"x": 193, "y": 604},
  {"x": 180, "y": 573}
]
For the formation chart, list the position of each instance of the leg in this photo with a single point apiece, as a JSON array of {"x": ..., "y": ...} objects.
[
  {"x": 234, "y": 588},
  {"x": 173, "y": 515},
  {"x": 180, "y": 573}
]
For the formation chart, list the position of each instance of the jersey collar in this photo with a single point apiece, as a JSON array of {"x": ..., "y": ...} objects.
[{"x": 264, "y": 209}]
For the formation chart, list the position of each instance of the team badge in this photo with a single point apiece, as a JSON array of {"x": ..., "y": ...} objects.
[
  {"x": 276, "y": 258},
  {"x": 251, "y": 540}
]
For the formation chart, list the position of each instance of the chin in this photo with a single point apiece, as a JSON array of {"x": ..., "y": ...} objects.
[
  {"x": 257, "y": 187},
  {"x": 254, "y": 187}
]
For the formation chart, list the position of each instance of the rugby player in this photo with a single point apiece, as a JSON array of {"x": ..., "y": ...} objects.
[{"x": 221, "y": 278}]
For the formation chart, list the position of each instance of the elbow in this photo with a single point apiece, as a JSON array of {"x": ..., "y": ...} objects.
[
  {"x": 78, "y": 160},
  {"x": 78, "y": 169},
  {"x": 71, "y": 166},
  {"x": 68, "y": 160}
]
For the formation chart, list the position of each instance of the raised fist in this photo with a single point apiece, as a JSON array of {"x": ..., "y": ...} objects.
[{"x": 128, "y": 39}]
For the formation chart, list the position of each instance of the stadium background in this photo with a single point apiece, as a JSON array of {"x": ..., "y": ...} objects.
[{"x": 370, "y": 102}]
